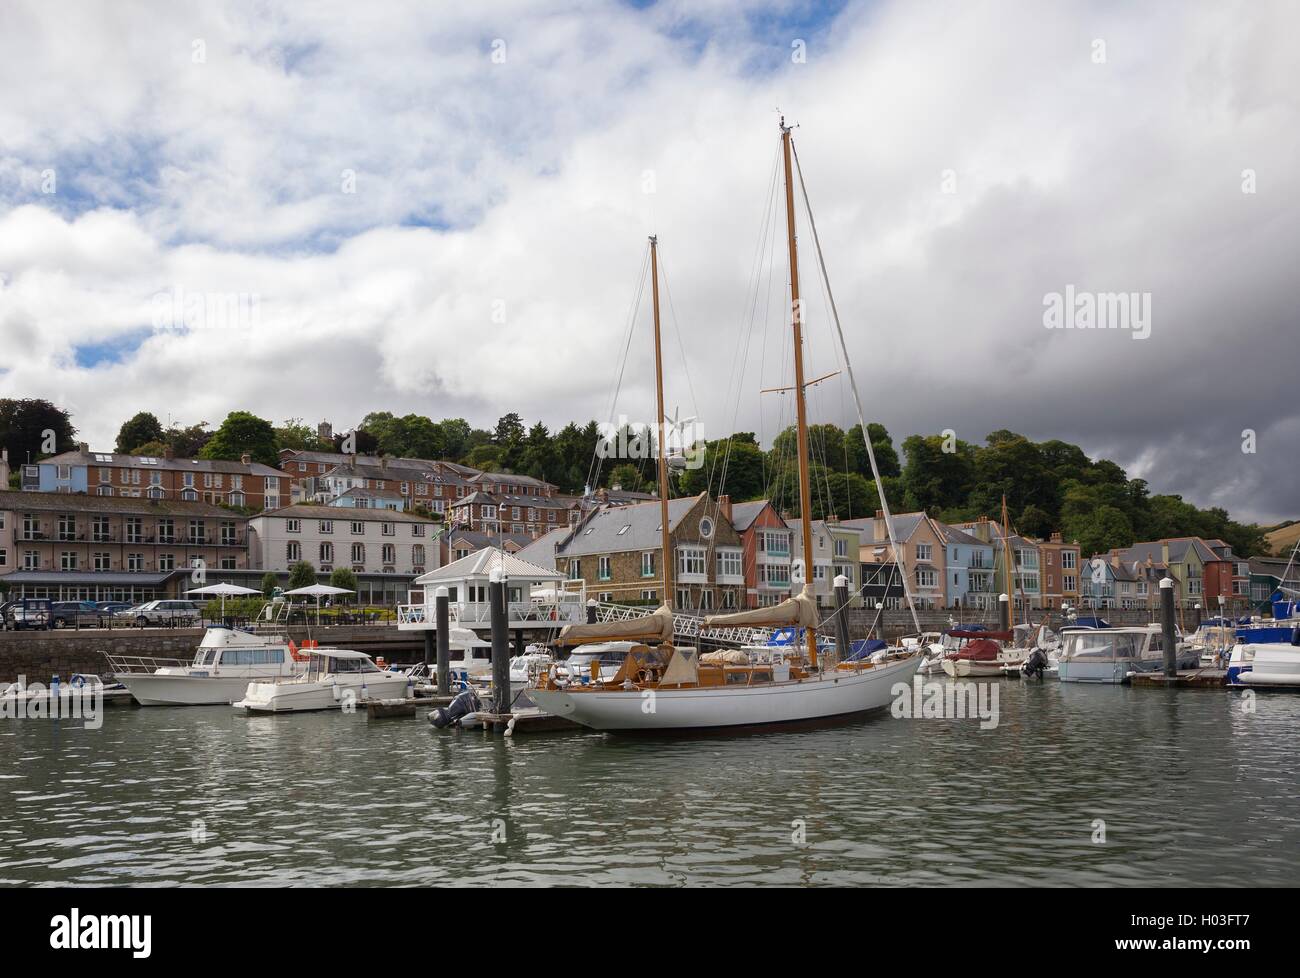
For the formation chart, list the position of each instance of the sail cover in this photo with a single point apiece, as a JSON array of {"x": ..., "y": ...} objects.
[
  {"x": 656, "y": 627},
  {"x": 798, "y": 610}
]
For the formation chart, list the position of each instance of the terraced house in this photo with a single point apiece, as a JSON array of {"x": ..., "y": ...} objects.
[
  {"x": 244, "y": 483},
  {"x": 1060, "y": 571},
  {"x": 113, "y": 548},
  {"x": 836, "y": 548},
  {"x": 921, "y": 552},
  {"x": 617, "y": 552},
  {"x": 768, "y": 544}
]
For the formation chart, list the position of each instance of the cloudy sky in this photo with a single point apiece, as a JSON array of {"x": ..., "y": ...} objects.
[{"x": 443, "y": 208}]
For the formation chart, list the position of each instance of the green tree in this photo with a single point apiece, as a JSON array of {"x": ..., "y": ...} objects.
[
  {"x": 299, "y": 436},
  {"x": 139, "y": 430},
  {"x": 344, "y": 578},
  {"x": 242, "y": 433},
  {"x": 626, "y": 476},
  {"x": 32, "y": 428},
  {"x": 269, "y": 582},
  {"x": 301, "y": 574},
  {"x": 934, "y": 476},
  {"x": 188, "y": 442}
]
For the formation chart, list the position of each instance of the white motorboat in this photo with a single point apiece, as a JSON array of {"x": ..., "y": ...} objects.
[
  {"x": 1264, "y": 664},
  {"x": 1111, "y": 655},
  {"x": 226, "y": 660},
  {"x": 334, "y": 679},
  {"x": 582, "y": 663}
]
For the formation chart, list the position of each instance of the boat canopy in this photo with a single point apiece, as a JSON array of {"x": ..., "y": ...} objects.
[
  {"x": 656, "y": 627},
  {"x": 969, "y": 633},
  {"x": 1088, "y": 621},
  {"x": 864, "y": 648},
  {"x": 798, "y": 610}
]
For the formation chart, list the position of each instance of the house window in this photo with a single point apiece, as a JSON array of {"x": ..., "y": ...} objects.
[
  {"x": 99, "y": 529},
  {"x": 706, "y": 600},
  {"x": 198, "y": 533},
  {"x": 293, "y": 526},
  {"x": 325, "y": 526},
  {"x": 1068, "y": 559},
  {"x": 388, "y": 529},
  {"x": 417, "y": 554},
  {"x": 924, "y": 551},
  {"x": 650, "y": 595},
  {"x": 729, "y": 563},
  {"x": 648, "y": 564},
  {"x": 683, "y": 598},
  {"x": 327, "y": 553},
  {"x": 575, "y": 569},
  {"x": 358, "y": 528},
  {"x": 417, "y": 529},
  {"x": 101, "y": 562},
  {"x": 729, "y": 598},
  {"x": 166, "y": 562},
  {"x": 925, "y": 578},
  {"x": 134, "y": 530},
  {"x": 603, "y": 571},
  {"x": 358, "y": 553},
  {"x": 31, "y": 560},
  {"x": 135, "y": 562},
  {"x": 389, "y": 554},
  {"x": 166, "y": 531},
  {"x": 293, "y": 551},
  {"x": 691, "y": 560},
  {"x": 228, "y": 563},
  {"x": 67, "y": 528},
  {"x": 104, "y": 491},
  {"x": 1070, "y": 583},
  {"x": 841, "y": 548}
]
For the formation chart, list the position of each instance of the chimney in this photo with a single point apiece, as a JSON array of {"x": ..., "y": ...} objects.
[
  {"x": 724, "y": 507},
  {"x": 85, "y": 448},
  {"x": 246, "y": 459},
  {"x": 168, "y": 452},
  {"x": 617, "y": 487},
  {"x": 880, "y": 514},
  {"x": 4, "y": 469},
  {"x": 832, "y": 518},
  {"x": 383, "y": 463},
  {"x": 1056, "y": 538}
]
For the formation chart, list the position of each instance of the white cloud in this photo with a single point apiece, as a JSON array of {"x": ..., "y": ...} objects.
[{"x": 523, "y": 181}]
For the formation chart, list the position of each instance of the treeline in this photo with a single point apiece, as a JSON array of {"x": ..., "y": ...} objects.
[{"x": 1049, "y": 486}]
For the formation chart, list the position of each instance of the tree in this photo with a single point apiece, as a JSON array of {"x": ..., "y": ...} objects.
[
  {"x": 269, "y": 582},
  {"x": 243, "y": 433},
  {"x": 297, "y": 435},
  {"x": 344, "y": 578},
  {"x": 188, "y": 442},
  {"x": 626, "y": 476},
  {"x": 935, "y": 477},
  {"x": 301, "y": 574},
  {"x": 32, "y": 428},
  {"x": 140, "y": 429}
]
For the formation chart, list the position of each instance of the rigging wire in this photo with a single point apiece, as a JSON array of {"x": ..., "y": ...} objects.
[{"x": 848, "y": 367}]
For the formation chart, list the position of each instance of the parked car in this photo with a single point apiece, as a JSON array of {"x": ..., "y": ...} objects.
[
  {"x": 30, "y": 613},
  {"x": 113, "y": 607},
  {"x": 167, "y": 611},
  {"x": 5, "y": 607},
  {"x": 71, "y": 614}
]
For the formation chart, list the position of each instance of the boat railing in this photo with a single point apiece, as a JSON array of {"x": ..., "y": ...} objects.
[
  {"x": 480, "y": 612},
  {"x": 143, "y": 663}
]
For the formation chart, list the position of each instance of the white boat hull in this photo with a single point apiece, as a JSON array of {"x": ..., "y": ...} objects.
[
  {"x": 969, "y": 669},
  {"x": 300, "y": 697},
  {"x": 157, "y": 690},
  {"x": 838, "y": 693}
]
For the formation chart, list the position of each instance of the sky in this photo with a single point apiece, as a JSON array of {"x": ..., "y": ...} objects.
[{"x": 320, "y": 210}]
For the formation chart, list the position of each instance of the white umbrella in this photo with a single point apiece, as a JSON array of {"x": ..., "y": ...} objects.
[
  {"x": 318, "y": 590},
  {"x": 223, "y": 589}
]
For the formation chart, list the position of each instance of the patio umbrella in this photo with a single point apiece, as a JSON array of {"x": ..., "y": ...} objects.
[
  {"x": 318, "y": 590},
  {"x": 223, "y": 590}
]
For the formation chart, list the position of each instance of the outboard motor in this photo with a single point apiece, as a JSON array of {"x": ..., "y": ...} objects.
[
  {"x": 1035, "y": 665},
  {"x": 463, "y": 705}
]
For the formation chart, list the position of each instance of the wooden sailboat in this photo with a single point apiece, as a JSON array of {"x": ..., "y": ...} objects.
[{"x": 666, "y": 688}]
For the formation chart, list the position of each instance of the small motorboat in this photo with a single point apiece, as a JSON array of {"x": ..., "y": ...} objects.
[
  {"x": 1112, "y": 655},
  {"x": 1264, "y": 664},
  {"x": 226, "y": 661},
  {"x": 334, "y": 679}
]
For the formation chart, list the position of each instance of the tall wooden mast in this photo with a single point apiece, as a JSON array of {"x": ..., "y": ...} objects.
[
  {"x": 661, "y": 422},
  {"x": 801, "y": 410},
  {"x": 1009, "y": 561}
]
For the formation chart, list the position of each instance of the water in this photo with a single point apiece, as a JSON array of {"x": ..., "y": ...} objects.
[{"x": 1192, "y": 790}]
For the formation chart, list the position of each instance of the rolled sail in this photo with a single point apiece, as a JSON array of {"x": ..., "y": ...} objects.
[
  {"x": 800, "y": 610},
  {"x": 656, "y": 627}
]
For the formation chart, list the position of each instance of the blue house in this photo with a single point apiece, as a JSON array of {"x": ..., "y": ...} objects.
[{"x": 968, "y": 569}]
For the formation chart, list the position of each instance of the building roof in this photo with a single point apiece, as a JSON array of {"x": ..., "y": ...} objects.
[
  {"x": 478, "y": 539},
  {"x": 950, "y": 534},
  {"x": 78, "y": 457},
  {"x": 744, "y": 514},
  {"x": 542, "y": 550},
  {"x": 616, "y": 529},
  {"x": 356, "y": 492},
  {"x": 481, "y": 563},
  {"x": 64, "y": 502},
  {"x": 905, "y": 524},
  {"x": 311, "y": 511}
]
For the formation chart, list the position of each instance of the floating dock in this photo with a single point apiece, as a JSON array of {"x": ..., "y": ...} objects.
[{"x": 1202, "y": 678}]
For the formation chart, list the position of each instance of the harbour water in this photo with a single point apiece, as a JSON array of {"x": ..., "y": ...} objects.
[{"x": 1192, "y": 789}]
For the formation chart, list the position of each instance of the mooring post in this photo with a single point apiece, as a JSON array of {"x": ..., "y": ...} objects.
[
  {"x": 1167, "y": 626},
  {"x": 1198, "y": 614},
  {"x": 442, "y": 622},
  {"x": 500, "y": 642},
  {"x": 1004, "y": 612},
  {"x": 591, "y": 611},
  {"x": 519, "y": 641},
  {"x": 842, "y": 617}
]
